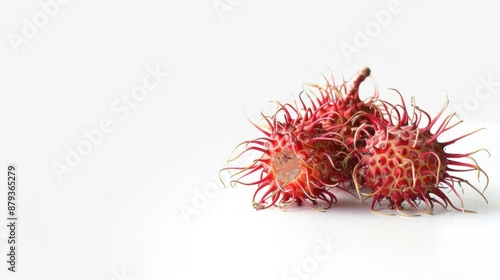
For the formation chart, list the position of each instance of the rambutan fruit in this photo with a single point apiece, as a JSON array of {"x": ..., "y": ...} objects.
[
  {"x": 303, "y": 151},
  {"x": 346, "y": 111},
  {"x": 295, "y": 165},
  {"x": 404, "y": 161},
  {"x": 335, "y": 140}
]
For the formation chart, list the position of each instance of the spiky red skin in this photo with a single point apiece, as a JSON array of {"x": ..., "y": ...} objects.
[
  {"x": 317, "y": 139},
  {"x": 405, "y": 162},
  {"x": 339, "y": 141},
  {"x": 399, "y": 165},
  {"x": 346, "y": 111},
  {"x": 310, "y": 179}
]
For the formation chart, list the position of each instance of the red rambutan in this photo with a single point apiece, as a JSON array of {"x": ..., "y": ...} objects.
[
  {"x": 304, "y": 149},
  {"x": 295, "y": 166},
  {"x": 405, "y": 162},
  {"x": 346, "y": 111},
  {"x": 335, "y": 140}
]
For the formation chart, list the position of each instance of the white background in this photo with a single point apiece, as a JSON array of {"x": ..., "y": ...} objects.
[{"x": 116, "y": 214}]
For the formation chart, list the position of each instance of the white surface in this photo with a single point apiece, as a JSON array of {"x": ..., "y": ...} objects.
[{"x": 116, "y": 215}]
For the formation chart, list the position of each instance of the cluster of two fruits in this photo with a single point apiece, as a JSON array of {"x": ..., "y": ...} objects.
[{"x": 336, "y": 141}]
